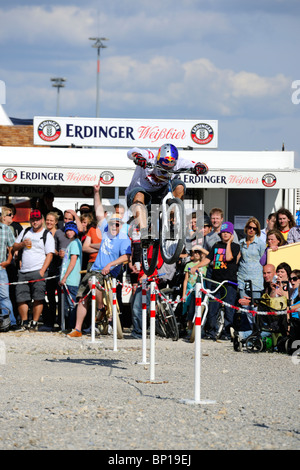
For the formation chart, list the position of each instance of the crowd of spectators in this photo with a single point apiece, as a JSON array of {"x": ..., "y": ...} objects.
[{"x": 62, "y": 250}]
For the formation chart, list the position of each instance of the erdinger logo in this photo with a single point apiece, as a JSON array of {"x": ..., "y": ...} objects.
[
  {"x": 49, "y": 130},
  {"x": 9, "y": 175},
  {"x": 107, "y": 177},
  {"x": 202, "y": 134},
  {"x": 269, "y": 180}
]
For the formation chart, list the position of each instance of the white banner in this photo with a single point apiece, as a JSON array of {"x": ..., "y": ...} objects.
[
  {"x": 109, "y": 176},
  {"x": 90, "y": 132}
]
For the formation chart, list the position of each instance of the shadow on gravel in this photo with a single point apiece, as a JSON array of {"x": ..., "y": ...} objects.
[{"x": 111, "y": 363}]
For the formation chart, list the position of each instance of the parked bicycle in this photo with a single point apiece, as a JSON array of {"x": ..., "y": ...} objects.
[
  {"x": 166, "y": 321},
  {"x": 204, "y": 308}
]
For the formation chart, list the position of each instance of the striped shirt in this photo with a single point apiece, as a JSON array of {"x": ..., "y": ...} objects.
[{"x": 7, "y": 239}]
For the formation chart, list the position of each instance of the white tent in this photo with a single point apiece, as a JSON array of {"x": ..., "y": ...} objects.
[{"x": 4, "y": 119}]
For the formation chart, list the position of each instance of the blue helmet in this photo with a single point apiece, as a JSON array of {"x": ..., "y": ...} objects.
[{"x": 167, "y": 156}]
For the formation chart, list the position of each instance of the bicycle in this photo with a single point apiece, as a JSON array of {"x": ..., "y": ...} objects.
[
  {"x": 204, "y": 309},
  {"x": 166, "y": 323},
  {"x": 166, "y": 228},
  {"x": 105, "y": 315}
]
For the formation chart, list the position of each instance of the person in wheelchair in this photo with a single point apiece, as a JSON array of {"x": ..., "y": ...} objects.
[{"x": 114, "y": 251}]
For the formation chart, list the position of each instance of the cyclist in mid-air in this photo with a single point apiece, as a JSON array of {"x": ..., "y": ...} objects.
[{"x": 150, "y": 185}]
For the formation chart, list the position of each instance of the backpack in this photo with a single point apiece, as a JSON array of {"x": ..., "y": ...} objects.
[{"x": 20, "y": 253}]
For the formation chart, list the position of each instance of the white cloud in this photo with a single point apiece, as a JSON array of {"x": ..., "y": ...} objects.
[{"x": 43, "y": 27}]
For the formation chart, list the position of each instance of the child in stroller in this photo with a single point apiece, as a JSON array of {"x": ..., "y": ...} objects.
[{"x": 269, "y": 324}]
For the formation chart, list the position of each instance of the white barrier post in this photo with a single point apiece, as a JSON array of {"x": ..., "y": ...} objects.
[
  {"x": 197, "y": 389},
  {"x": 93, "y": 319},
  {"x": 152, "y": 330},
  {"x": 62, "y": 309},
  {"x": 144, "y": 323},
  {"x": 114, "y": 306}
]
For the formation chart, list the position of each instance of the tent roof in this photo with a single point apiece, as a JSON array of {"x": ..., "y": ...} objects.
[{"x": 4, "y": 119}]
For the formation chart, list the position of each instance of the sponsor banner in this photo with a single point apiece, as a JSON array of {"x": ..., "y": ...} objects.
[
  {"x": 90, "y": 132},
  {"x": 49, "y": 176},
  {"x": 65, "y": 176}
]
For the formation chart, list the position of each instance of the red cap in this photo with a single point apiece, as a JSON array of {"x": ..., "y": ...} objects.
[{"x": 35, "y": 214}]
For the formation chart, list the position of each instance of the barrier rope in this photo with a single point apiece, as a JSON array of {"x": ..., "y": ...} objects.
[{"x": 166, "y": 299}]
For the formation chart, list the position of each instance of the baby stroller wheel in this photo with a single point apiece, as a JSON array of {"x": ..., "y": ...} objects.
[
  {"x": 254, "y": 344},
  {"x": 291, "y": 346},
  {"x": 237, "y": 344}
]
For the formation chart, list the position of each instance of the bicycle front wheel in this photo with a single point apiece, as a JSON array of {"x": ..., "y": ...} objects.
[
  {"x": 166, "y": 323},
  {"x": 172, "y": 231},
  {"x": 150, "y": 257}
]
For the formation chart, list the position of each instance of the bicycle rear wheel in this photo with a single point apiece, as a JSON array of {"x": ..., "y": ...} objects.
[
  {"x": 149, "y": 257},
  {"x": 172, "y": 231},
  {"x": 166, "y": 323},
  {"x": 220, "y": 322}
]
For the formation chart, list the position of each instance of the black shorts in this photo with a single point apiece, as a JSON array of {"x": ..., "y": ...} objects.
[
  {"x": 31, "y": 287},
  {"x": 153, "y": 197}
]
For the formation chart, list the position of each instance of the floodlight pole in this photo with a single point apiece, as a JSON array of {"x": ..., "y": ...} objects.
[
  {"x": 98, "y": 45},
  {"x": 58, "y": 83}
]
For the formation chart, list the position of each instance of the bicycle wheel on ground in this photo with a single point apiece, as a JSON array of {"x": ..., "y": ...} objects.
[
  {"x": 166, "y": 323},
  {"x": 172, "y": 231},
  {"x": 149, "y": 257}
]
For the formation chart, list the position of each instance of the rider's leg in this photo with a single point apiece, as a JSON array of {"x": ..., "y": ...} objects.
[
  {"x": 179, "y": 191},
  {"x": 140, "y": 212}
]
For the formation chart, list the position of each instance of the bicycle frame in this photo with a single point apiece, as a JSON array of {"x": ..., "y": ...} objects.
[{"x": 205, "y": 301}]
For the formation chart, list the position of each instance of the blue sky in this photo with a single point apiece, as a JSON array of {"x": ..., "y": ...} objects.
[{"x": 230, "y": 60}]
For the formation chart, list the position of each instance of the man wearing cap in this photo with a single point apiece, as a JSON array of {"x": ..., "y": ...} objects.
[
  {"x": 224, "y": 257},
  {"x": 37, "y": 249},
  {"x": 114, "y": 250}
]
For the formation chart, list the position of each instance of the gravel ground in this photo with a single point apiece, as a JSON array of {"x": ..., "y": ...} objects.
[{"x": 63, "y": 394}]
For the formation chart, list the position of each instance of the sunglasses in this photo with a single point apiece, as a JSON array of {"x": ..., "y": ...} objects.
[
  {"x": 9, "y": 215},
  {"x": 294, "y": 279},
  {"x": 111, "y": 224},
  {"x": 250, "y": 227}
]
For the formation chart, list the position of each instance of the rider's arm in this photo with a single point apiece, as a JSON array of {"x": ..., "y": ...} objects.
[{"x": 134, "y": 151}]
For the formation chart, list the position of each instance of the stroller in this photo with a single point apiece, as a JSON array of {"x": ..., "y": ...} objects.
[
  {"x": 266, "y": 330},
  {"x": 290, "y": 343}
]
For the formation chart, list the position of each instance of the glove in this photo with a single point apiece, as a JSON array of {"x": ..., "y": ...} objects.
[
  {"x": 139, "y": 160},
  {"x": 200, "y": 169}
]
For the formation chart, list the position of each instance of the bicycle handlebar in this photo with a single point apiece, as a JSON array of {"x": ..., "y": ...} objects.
[{"x": 174, "y": 172}]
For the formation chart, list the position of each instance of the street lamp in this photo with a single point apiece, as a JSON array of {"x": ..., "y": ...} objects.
[
  {"x": 58, "y": 83},
  {"x": 98, "y": 45}
]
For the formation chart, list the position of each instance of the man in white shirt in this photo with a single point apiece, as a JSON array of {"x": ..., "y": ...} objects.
[{"x": 37, "y": 252}]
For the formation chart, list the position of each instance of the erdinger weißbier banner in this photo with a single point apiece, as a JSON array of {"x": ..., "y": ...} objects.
[{"x": 90, "y": 132}]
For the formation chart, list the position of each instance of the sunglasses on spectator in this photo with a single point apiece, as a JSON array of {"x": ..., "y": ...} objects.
[
  {"x": 250, "y": 227},
  {"x": 9, "y": 215},
  {"x": 114, "y": 223},
  {"x": 294, "y": 279}
]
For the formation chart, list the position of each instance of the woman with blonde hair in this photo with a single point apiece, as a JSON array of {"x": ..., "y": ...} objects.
[{"x": 252, "y": 249}]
